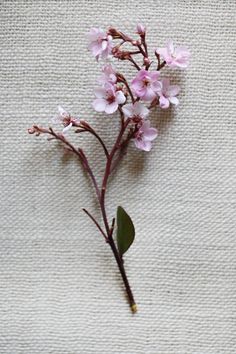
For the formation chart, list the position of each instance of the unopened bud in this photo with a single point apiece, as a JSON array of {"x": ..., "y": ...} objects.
[
  {"x": 146, "y": 61},
  {"x": 140, "y": 29},
  {"x": 114, "y": 33}
]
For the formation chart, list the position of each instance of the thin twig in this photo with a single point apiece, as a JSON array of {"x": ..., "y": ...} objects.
[
  {"x": 90, "y": 172},
  {"x": 96, "y": 223}
]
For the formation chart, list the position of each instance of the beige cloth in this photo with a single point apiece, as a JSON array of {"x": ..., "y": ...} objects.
[{"x": 60, "y": 291}]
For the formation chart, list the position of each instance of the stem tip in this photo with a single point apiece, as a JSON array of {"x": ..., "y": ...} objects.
[{"x": 134, "y": 308}]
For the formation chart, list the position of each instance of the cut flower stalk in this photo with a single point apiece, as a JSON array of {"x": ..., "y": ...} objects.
[{"x": 133, "y": 102}]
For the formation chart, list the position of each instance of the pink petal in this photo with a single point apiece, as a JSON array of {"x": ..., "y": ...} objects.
[
  {"x": 120, "y": 97},
  {"x": 128, "y": 110},
  {"x": 164, "y": 102},
  {"x": 145, "y": 126},
  {"x": 163, "y": 52},
  {"x": 170, "y": 47},
  {"x": 150, "y": 134},
  {"x": 100, "y": 92},
  {"x": 67, "y": 128},
  {"x": 154, "y": 75},
  {"x": 111, "y": 108},
  {"x": 95, "y": 48},
  {"x": 104, "y": 45},
  {"x": 173, "y": 90},
  {"x": 143, "y": 145},
  {"x": 182, "y": 52},
  {"x": 181, "y": 64},
  {"x": 149, "y": 94},
  {"x": 99, "y": 104},
  {"x": 165, "y": 84},
  {"x": 140, "y": 110},
  {"x": 174, "y": 100},
  {"x": 156, "y": 86}
]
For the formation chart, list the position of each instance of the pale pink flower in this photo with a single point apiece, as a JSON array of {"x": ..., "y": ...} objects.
[
  {"x": 145, "y": 85},
  {"x": 100, "y": 43},
  {"x": 63, "y": 117},
  {"x": 174, "y": 57},
  {"x": 140, "y": 29},
  {"x": 108, "y": 75},
  {"x": 168, "y": 93},
  {"x": 136, "y": 110},
  {"x": 108, "y": 99},
  {"x": 145, "y": 136}
]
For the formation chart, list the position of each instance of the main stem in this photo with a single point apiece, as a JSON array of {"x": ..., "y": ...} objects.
[
  {"x": 109, "y": 230},
  {"x": 120, "y": 264}
]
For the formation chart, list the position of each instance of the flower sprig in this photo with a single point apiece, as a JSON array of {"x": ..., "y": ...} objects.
[{"x": 132, "y": 102}]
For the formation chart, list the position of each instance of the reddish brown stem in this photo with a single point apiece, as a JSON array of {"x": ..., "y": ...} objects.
[
  {"x": 96, "y": 223},
  {"x": 120, "y": 264},
  {"x": 109, "y": 230}
]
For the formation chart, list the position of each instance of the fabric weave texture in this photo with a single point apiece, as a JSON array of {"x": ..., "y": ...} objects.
[{"x": 60, "y": 290}]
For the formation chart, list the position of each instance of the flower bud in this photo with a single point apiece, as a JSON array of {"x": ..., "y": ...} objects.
[
  {"x": 146, "y": 61},
  {"x": 140, "y": 29}
]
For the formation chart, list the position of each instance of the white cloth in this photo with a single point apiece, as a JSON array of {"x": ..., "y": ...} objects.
[{"x": 60, "y": 290}]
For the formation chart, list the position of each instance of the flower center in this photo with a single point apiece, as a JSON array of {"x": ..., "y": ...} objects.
[
  {"x": 110, "y": 98},
  {"x": 146, "y": 82}
]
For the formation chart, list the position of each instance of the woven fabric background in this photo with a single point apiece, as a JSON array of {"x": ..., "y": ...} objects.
[{"x": 60, "y": 291}]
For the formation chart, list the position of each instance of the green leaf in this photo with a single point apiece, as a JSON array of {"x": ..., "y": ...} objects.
[{"x": 125, "y": 230}]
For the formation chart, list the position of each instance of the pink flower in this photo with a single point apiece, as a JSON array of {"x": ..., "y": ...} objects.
[
  {"x": 144, "y": 136},
  {"x": 168, "y": 93},
  {"x": 174, "y": 57},
  {"x": 100, "y": 43},
  {"x": 108, "y": 99},
  {"x": 145, "y": 85},
  {"x": 108, "y": 75},
  {"x": 64, "y": 118},
  {"x": 136, "y": 110}
]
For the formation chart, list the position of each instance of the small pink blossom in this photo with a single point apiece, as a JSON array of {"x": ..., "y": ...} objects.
[
  {"x": 100, "y": 43},
  {"x": 136, "y": 110},
  {"x": 174, "y": 57},
  {"x": 108, "y": 75},
  {"x": 108, "y": 99},
  {"x": 144, "y": 136},
  {"x": 140, "y": 29},
  {"x": 168, "y": 93},
  {"x": 145, "y": 85},
  {"x": 63, "y": 117}
]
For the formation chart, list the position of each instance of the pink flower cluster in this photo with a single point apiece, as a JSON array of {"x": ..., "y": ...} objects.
[
  {"x": 147, "y": 85},
  {"x": 109, "y": 96}
]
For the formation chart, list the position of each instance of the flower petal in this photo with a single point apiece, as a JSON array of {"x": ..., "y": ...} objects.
[
  {"x": 149, "y": 94},
  {"x": 99, "y": 104},
  {"x": 128, "y": 110},
  {"x": 163, "y": 52},
  {"x": 67, "y": 128},
  {"x": 62, "y": 111},
  {"x": 140, "y": 110},
  {"x": 150, "y": 134},
  {"x": 173, "y": 90},
  {"x": 174, "y": 100},
  {"x": 143, "y": 145},
  {"x": 100, "y": 92},
  {"x": 111, "y": 108},
  {"x": 164, "y": 102},
  {"x": 120, "y": 97},
  {"x": 170, "y": 47}
]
